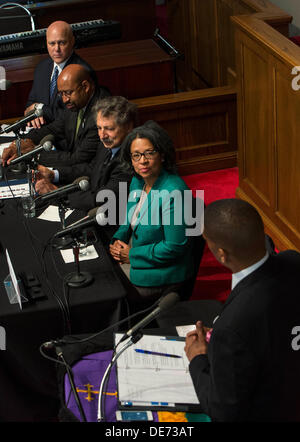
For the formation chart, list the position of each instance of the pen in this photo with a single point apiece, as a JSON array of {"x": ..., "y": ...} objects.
[
  {"x": 173, "y": 338},
  {"x": 147, "y": 352}
]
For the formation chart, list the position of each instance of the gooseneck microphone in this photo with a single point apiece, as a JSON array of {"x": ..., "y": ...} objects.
[
  {"x": 46, "y": 144},
  {"x": 165, "y": 303},
  {"x": 35, "y": 113},
  {"x": 81, "y": 183},
  {"x": 94, "y": 216}
]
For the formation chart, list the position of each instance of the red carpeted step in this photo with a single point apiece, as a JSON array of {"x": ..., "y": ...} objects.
[{"x": 213, "y": 280}]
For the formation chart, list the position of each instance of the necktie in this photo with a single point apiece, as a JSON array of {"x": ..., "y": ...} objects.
[
  {"x": 53, "y": 81},
  {"x": 108, "y": 156},
  {"x": 79, "y": 119}
]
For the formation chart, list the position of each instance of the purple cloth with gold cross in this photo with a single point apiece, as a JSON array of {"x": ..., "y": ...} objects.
[{"x": 87, "y": 376}]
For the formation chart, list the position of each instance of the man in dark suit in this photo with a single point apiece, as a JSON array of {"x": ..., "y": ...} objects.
[
  {"x": 249, "y": 369},
  {"x": 74, "y": 130},
  {"x": 115, "y": 117},
  {"x": 60, "y": 45}
]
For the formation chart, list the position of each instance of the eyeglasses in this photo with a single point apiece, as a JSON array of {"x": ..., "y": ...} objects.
[
  {"x": 149, "y": 154},
  {"x": 68, "y": 93}
]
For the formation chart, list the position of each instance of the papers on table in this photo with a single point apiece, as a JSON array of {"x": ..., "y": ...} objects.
[
  {"x": 12, "y": 134},
  {"x": 14, "y": 188},
  {"x": 149, "y": 380},
  {"x": 52, "y": 214},
  {"x": 85, "y": 253}
]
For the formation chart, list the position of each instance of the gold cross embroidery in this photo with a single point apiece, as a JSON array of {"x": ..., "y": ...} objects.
[{"x": 90, "y": 392}]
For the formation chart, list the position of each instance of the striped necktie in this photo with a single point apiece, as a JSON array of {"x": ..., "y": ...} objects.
[
  {"x": 53, "y": 81},
  {"x": 108, "y": 157}
]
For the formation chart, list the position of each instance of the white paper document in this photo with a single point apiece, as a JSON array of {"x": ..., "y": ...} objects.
[
  {"x": 147, "y": 379},
  {"x": 88, "y": 252},
  {"x": 52, "y": 214},
  {"x": 183, "y": 330},
  {"x": 14, "y": 188}
]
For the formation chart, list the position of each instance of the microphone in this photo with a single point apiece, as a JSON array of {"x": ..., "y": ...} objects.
[
  {"x": 45, "y": 144},
  {"x": 81, "y": 183},
  {"x": 91, "y": 218},
  {"x": 164, "y": 304},
  {"x": 35, "y": 113}
]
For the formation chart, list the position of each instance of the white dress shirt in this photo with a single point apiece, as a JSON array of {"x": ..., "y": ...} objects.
[{"x": 237, "y": 277}]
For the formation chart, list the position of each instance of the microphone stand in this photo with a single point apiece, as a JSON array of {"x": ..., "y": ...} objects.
[
  {"x": 133, "y": 340},
  {"x": 78, "y": 279},
  {"x": 19, "y": 167},
  {"x": 65, "y": 241},
  {"x": 60, "y": 355}
]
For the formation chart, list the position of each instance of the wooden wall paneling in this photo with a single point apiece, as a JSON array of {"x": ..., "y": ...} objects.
[
  {"x": 268, "y": 128},
  {"x": 255, "y": 147},
  {"x": 202, "y": 124},
  {"x": 179, "y": 36},
  {"x": 287, "y": 111},
  {"x": 208, "y": 36},
  {"x": 225, "y": 35},
  {"x": 204, "y": 52}
]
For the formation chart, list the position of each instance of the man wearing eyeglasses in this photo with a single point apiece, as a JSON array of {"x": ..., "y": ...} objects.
[
  {"x": 60, "y": 46},
  {"x": 75, "y": 130}
]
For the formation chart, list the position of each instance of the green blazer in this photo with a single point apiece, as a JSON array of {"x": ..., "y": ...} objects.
[{"x": 161, "y": 253}]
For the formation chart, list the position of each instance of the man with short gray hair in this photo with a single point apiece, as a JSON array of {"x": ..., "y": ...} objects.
[{"x": 115, "y": 117}]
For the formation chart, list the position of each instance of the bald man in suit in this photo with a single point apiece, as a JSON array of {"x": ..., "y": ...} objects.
[{"x": 60, "y": 45}]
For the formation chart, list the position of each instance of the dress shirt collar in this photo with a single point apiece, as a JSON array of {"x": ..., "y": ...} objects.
[
  {"x": 60, "y": 65},
  {"x": 114, "y": 150},
  {"x": 237, "y": 277}
]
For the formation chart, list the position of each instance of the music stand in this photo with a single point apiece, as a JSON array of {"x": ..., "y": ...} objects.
[{"x": 19, "y": 24}]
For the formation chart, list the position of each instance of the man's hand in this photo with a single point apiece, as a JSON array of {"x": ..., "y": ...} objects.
[
  {"x": 120, "y": 251},
  {"x": 195, "y": 341},
  {"x": 37, "y": 123},
  {"x": 43, "y": 186},
  {"x": 45, "y": 174},
  {"x": 10, "y": 152}
]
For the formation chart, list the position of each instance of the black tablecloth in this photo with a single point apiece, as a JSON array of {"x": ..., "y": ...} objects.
[{"x": 27, "y": 379}]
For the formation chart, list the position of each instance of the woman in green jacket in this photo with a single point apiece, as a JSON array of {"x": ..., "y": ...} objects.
[{"x": 152, "y": 241}]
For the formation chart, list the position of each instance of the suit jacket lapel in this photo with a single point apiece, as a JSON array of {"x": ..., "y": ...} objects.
[{"x": 73, "y": 122}]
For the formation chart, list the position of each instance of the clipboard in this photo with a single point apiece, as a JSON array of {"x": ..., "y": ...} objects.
[{"x": 166, "y": 382}]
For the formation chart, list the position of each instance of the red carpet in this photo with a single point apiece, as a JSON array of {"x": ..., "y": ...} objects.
[{"x": 213, "y": 280}]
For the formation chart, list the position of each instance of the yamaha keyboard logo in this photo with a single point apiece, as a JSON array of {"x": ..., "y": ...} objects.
[{"x": 11, "y": 47}]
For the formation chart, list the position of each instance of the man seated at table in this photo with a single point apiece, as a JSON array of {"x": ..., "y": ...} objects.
[
  {"x": 60, "y": 45},
  {"x": 249, "y": 370},
  {"x": 115, "y": 117},
  {"x": 74, "y": 130}
]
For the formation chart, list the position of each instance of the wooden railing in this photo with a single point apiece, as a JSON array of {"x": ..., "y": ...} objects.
[{"x": 268, "y": 126}]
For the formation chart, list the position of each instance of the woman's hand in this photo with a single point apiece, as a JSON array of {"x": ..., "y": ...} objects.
[{"x": 119, "y": 250}]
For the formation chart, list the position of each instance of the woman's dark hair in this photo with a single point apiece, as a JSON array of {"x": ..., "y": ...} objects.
[{"x": 160, "y": 140}]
